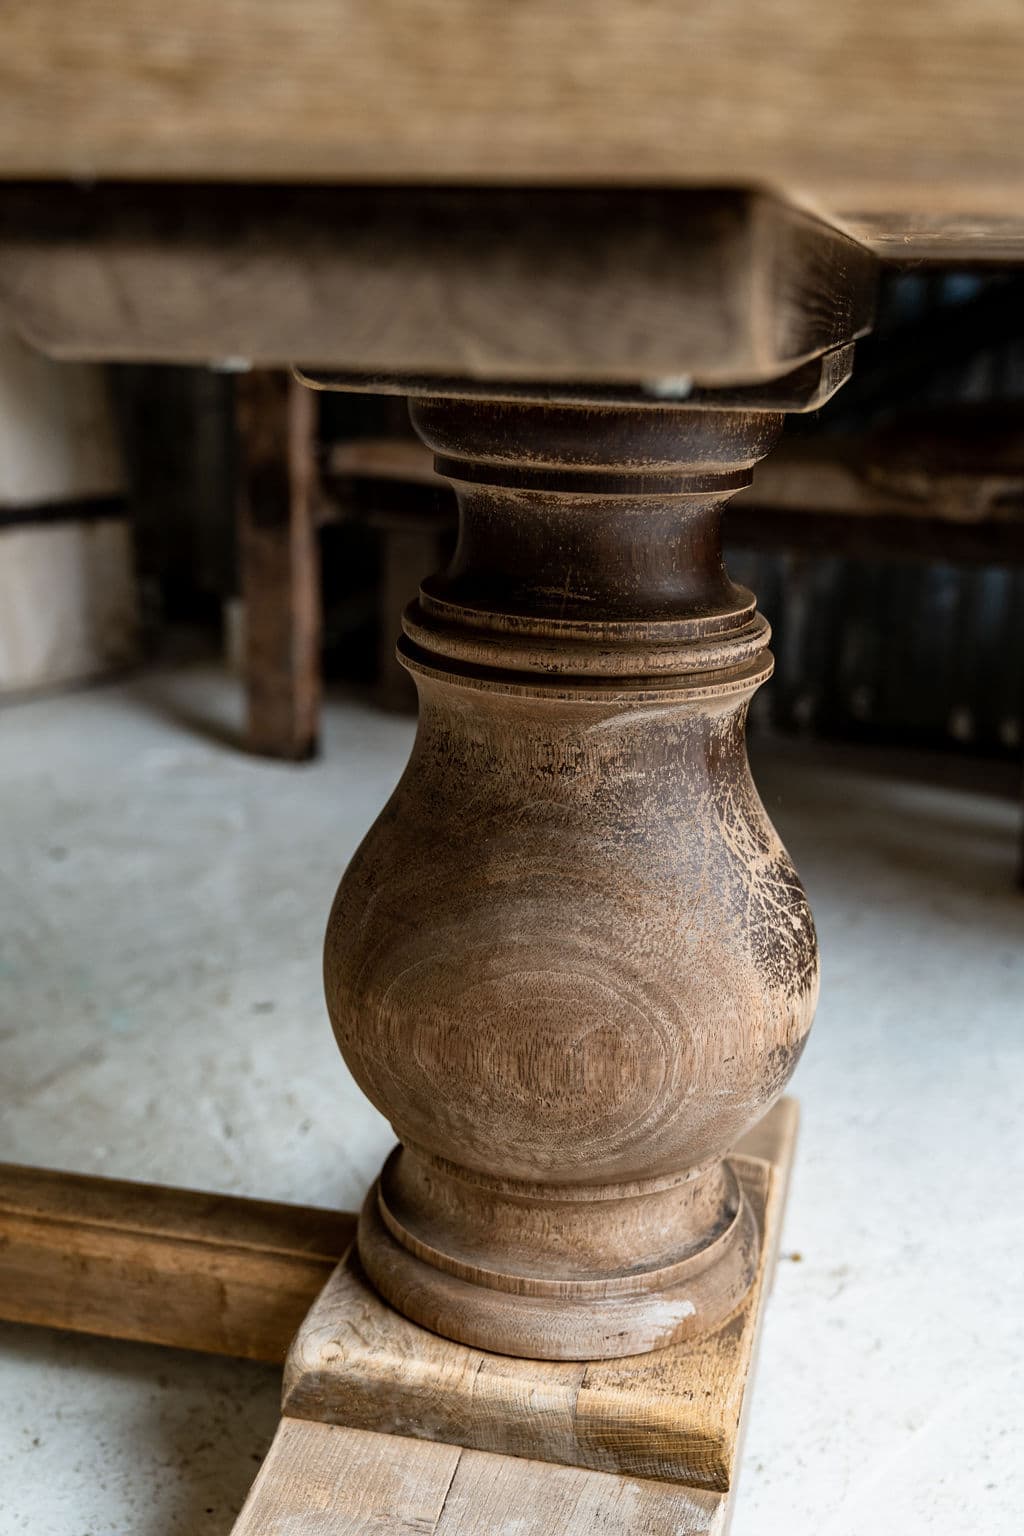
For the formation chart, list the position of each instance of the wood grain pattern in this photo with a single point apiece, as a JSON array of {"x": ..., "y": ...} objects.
[
  {"x": 961, "y": 465},
  {"x": 675, "y": 1414},
  {"x": 279, "y": 562},
  {"x": 877, "y": 113},
  {"x": 851, "y": 495},
  {"x": 321, "y": 1480},
  {"x": 165, "y": 1266},
  {"x": 580, "y": 286},
  {"x": 571, "y": 962}
]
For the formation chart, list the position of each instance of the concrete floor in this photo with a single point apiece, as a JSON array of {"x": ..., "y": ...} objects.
[{"x": 162, "y": 902}]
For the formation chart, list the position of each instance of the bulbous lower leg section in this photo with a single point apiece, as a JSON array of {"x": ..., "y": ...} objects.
[{"x": 572, "y": 962}]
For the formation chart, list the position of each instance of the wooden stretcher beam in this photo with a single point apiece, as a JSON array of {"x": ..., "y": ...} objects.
[{"x": 163, "y": 1266}]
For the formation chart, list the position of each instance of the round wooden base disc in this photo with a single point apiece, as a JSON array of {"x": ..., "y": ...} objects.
[{"x": 582, "y": 1323}]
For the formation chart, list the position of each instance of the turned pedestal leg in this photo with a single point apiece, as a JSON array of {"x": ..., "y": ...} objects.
[{"x": 572, "y": 962}]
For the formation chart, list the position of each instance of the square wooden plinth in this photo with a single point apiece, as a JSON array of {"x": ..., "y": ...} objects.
[{"x": 382, "y": 1416}]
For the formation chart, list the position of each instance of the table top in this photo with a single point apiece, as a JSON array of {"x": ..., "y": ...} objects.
[{"x": 902, "y": 123}]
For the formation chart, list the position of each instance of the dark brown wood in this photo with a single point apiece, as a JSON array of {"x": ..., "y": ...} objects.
[
  {"x": 279, "y": 563},
  {"x": 652, "y": 289},
  {"x": 962, "y": 462},
  {"x": 571, "y": 962},
  {"x": 164, "y": 1266},
  {"x": 945, "y": 491},
  {"x": 933, "y": 484},
  {"x": 885, "y": 535}
]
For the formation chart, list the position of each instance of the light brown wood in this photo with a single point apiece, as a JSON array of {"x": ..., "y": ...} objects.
[
  {"x": 905, "y": 120},
  {"x": 658, "y": 290},
  {"x": 279, "y": 562},
  {"x": 572, "y": 962},
  {"x": 675, "y": 1414},
  {"x": 165, "y": 1266},
  {"x": 320, "y": 1480}
]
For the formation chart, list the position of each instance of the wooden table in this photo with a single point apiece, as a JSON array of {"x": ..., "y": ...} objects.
[{"x": 603, "y": 249}]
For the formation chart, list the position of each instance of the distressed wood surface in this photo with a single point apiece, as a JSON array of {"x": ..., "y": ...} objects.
[
  {"x": 279, "y": 562},
  {"x": 675, "y": 1414},
  {"x": 164, "y": 1266},
  {"x": 959, "y": 464},
  {"x": 907, "y": 121},
  {"x": 320, "y": 1480},
  {"x": 612, "y": 288},
  {"x": 851, "y": 495},
  {"x": 611, "y": 968}
]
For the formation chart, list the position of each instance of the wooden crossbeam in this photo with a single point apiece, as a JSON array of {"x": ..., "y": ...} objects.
[
  {"x": 163, "y": 1266},
  {"x": 841, "y": 495}
]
